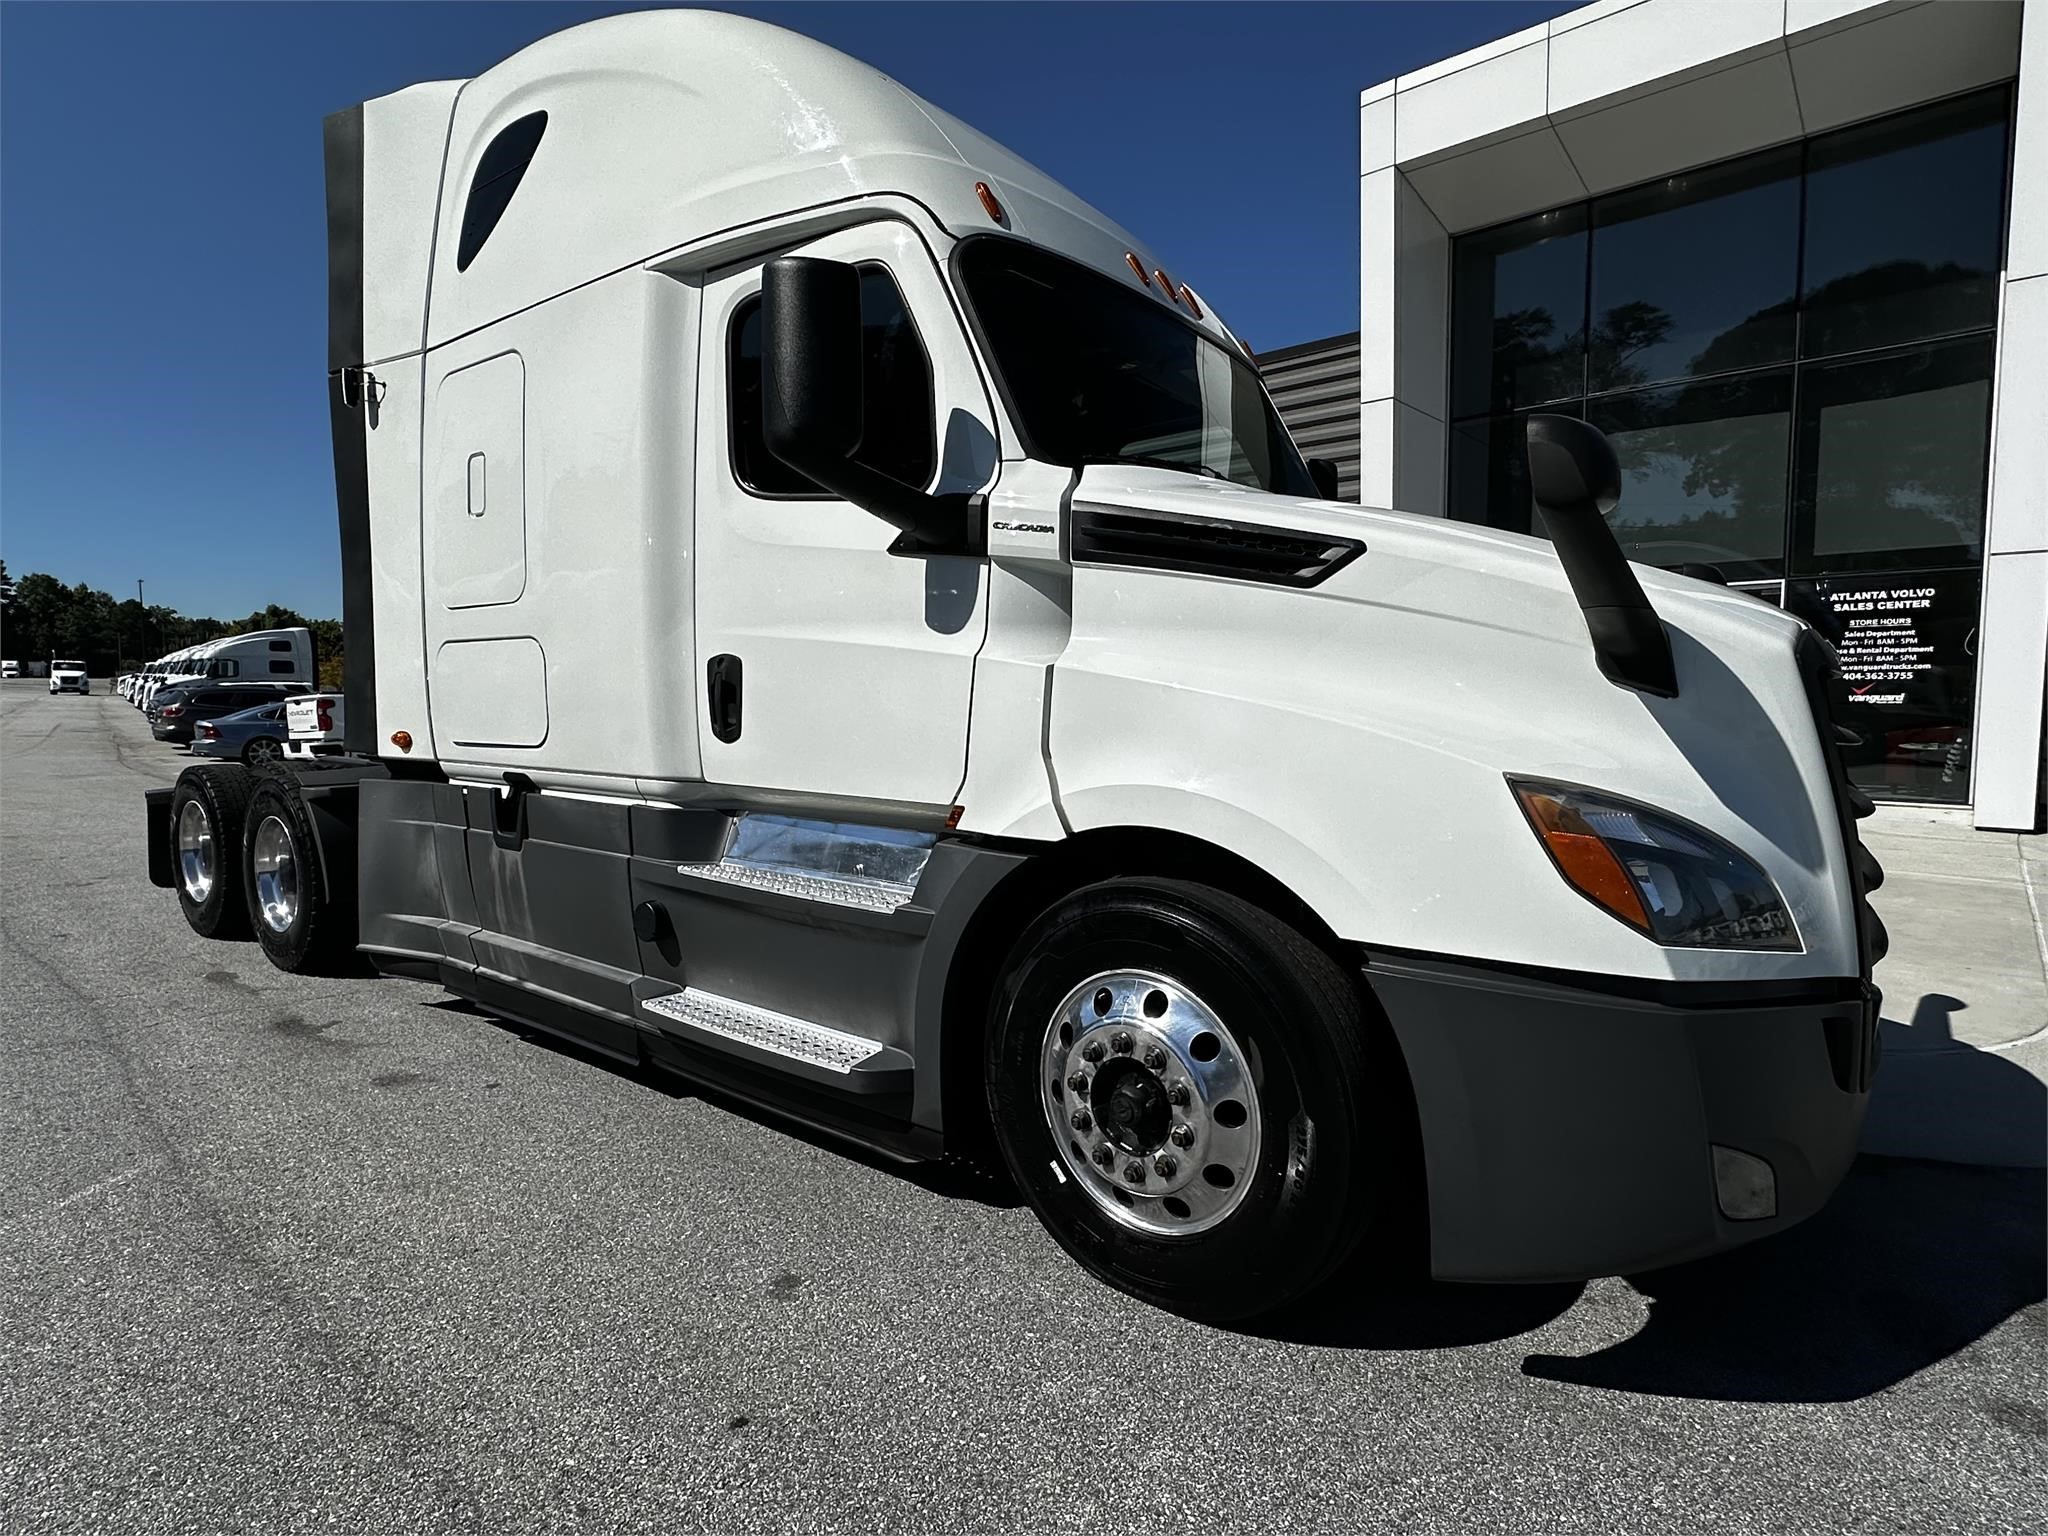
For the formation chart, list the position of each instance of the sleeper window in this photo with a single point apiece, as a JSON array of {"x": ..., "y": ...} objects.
[{"x": 897, "y": 435}]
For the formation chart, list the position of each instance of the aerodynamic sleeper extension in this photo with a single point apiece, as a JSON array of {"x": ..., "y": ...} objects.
[{"x": 829, "y": 614}]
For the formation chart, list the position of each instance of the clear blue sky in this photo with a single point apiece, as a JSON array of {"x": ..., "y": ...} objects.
[{"x": 163, "y": 257}]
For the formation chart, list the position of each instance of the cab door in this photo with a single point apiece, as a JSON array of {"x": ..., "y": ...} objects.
[{"x": 832, "y": 670}]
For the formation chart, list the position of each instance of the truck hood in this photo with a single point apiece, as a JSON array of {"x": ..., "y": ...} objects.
[
  {"x": 1358, "y": 725},
  {"x": 1430, "y": 552}
]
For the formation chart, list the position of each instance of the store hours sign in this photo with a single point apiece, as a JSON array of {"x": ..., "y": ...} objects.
[{"x": 1908, "y": 649}]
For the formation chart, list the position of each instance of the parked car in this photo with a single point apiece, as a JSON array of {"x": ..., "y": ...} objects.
[
  {"x": 251, "y": 735},
  {"x": 174, "y": 711},
  {"x": 68, "y": 677},
  {"x": 10, "y": 669}
]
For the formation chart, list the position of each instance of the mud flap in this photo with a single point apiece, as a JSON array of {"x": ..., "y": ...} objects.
[{"x": 156, "y": 810}]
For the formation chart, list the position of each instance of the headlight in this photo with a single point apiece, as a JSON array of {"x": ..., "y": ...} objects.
[{"x": 1666, "y": 878}]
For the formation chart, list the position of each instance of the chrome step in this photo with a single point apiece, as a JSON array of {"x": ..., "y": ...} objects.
[
  {"x": 840, "y": 863},
  {"x": 778, "y": 1034}
]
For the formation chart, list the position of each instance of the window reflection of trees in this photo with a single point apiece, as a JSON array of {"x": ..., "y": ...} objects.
[{"x": 1924, "y": 484}]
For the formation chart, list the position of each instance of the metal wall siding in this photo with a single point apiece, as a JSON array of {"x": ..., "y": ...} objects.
[{"x": 1315, "y": 388}]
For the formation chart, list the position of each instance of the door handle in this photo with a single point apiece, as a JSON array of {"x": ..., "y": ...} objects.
[{"x": 722, "y": 680}]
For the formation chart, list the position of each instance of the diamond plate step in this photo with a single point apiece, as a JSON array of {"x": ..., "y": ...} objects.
[
  {"x": 868, "y": 895},
  {"x": 778, "y": 1034}
]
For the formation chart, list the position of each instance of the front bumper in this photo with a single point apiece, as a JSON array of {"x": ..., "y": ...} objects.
[{"x": 1569, "y": 1132}]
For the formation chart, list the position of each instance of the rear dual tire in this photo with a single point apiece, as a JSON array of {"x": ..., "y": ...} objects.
[
  {"x": 245, "y": 860},
  {"x": 207, "y": 809},
  {"x": 1185, "y": 1090},
  {"x": 299, "y": 925}
]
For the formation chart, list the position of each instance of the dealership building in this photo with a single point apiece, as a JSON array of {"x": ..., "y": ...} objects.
[{"x": 1792, "y": 257}]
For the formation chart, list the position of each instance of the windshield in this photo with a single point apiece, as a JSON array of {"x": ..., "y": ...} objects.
[{"x": 1094, "y": 371}]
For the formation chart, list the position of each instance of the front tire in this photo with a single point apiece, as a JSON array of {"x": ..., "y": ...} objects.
[
  {"x": 292, "y": 913},
  {"x": 1182, "y": 1088},
  {"x": 207, "y": 809}
]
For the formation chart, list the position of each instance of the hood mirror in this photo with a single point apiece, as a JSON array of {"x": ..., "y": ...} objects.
[{"x": 1324, "y": 473}]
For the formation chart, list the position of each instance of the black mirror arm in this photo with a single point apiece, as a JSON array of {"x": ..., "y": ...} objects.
[
  {"x": 929, "y": 524},
  {"x": 1572, "y": 471}
]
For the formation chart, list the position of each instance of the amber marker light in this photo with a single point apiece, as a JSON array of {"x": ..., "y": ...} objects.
[
  {"x": 989, "y": 205},
  {"x": 1138, "y": 267},
  {"x": 1586, "y": 862},
  {"x": 1187, "y": 297},
  {"x": 402, "y": 740}
]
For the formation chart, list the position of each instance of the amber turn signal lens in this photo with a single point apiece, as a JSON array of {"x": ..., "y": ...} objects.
[
  {"x": 1138, "y": 267},
  {"x": 1581, "y": 857},
  {"x": 989, "y": 204},
  {"x": 402, "y": 740}
]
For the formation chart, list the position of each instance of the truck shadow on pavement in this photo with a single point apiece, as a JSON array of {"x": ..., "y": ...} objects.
[
  {"x": 1909, "y": 1263},
  {"x": 981, "y": 1180},
  {"x": 1912, "y": 1260}
]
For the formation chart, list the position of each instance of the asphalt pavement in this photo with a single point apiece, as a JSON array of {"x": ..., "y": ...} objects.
[{"x": 283, "y": 1255}]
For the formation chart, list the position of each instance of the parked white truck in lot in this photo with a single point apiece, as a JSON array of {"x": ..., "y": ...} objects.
[
  {"x": 256, "y": 656},
  {"x": 827, "y": 613}
]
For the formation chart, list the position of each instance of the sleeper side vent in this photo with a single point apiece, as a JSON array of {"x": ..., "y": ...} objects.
[{"x": 1209, "y": 547}]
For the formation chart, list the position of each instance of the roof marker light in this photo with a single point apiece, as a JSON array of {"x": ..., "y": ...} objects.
[
  {"x": 989, "y": 204},
  {"x": 1187, "y": 297},
  {"x": 1138, "y": 267},
  {"x": 1165, "y": 283}
]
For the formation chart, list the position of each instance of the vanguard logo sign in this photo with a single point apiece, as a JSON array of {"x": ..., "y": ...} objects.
[{"x": 1877, "y": 698}]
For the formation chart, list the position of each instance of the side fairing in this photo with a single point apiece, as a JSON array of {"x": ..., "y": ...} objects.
[{"x": 1352, "y": 738}]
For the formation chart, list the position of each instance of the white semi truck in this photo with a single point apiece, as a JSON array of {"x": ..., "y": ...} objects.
[{"x": 828, "y": 613}]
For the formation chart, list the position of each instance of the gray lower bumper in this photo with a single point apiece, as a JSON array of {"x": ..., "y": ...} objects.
[{"x": 1569, "y": 1133}]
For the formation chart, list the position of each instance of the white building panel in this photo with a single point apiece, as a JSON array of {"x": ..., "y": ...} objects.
[
  {"x": 2019, "y": 441},
  {"x": 1664, "y": 43},
  {"x": 1712, "y": 117},
  {"x": 1495, "y": 97},
  {"x": 2007, "y": 773},
  {"x": 1897, "y": 56}
]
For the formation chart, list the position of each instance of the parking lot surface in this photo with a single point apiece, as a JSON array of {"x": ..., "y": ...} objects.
[{"x": 284, "y": 1255}]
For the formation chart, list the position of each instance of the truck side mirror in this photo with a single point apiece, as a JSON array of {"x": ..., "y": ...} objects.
[
  {"x": 811, "y": 387},
  {"x": 1575, "y": 480},
  {"x": 1323, "y": 472}
]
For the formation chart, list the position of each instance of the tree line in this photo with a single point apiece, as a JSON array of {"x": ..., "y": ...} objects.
[{"x": 40, "y": 618}]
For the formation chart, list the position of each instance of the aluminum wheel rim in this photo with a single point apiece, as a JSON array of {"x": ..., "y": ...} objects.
[
  {"x": 263, "y": 750},
  {"x": 1117, "y": 1045},
  {"x": 274, "y": 864},
  {"x": 195, "y": 851}
]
